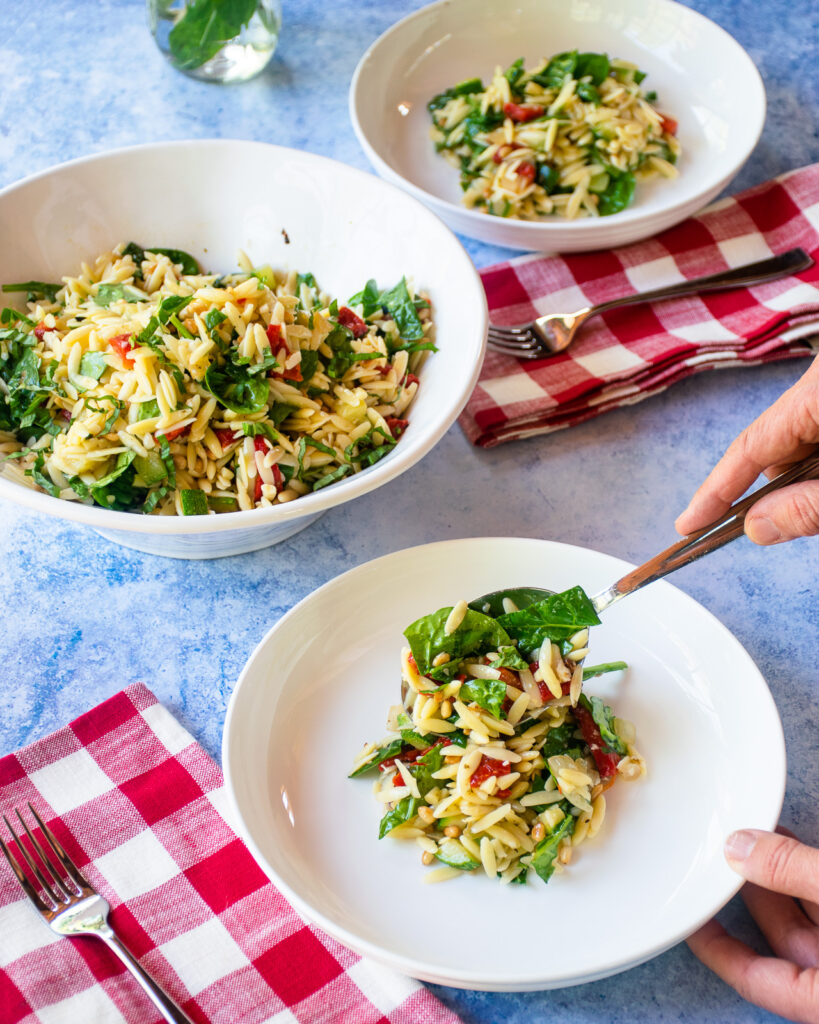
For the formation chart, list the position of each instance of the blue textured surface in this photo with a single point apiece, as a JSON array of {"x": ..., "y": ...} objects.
[{"x": 83, "y": 618}]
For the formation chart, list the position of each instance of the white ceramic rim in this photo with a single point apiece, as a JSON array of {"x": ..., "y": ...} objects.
[
  {"x": 538, "y": 230},
  {"x": 352, "y": 487},
  {"x": 417, "y": 968}
]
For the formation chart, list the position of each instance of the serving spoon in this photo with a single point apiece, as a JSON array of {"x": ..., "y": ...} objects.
[{"x": 702, "y": 542}]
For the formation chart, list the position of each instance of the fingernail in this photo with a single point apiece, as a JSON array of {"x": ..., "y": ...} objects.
[
  {"x": 738, "y": 845},
  {"x": 762, "y": 530}
]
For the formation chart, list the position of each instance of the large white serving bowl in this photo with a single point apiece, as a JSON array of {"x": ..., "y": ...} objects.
[
  {"x": 281, "y": 206},
  {"x": 320, "y": 683},
  {"x": 702, "y": 75}
]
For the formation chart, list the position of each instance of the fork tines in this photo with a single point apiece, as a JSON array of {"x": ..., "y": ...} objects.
[{"x": 64, "y": 886}]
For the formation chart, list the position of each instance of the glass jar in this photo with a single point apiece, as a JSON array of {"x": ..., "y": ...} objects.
[{"x": 216, "y": 40}]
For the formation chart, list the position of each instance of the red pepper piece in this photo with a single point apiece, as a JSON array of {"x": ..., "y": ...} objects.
[
  {"x": 347, "y": 318},
  {"x": 487, "y": 767},
  {"x": 410, "y": 379},
  {"x": 521, "y": 113},
  {"x": 274, "y": 335},
  {"x": 669, "y": 124},
  {"x": 40, "y": 330},
  {"x": 122, "y": 345},
  {"x": 397, "y": 426},
  {"x": 259, "y": 445},
  {"x": 293, "y": 373},
  {"x": 605, "y": 759},
  {"x": 277, "y": 475},
  {"x": 526, "y": 170},
  {"x": 176, "y": 432},
  {"x": 226, "y": 437}
]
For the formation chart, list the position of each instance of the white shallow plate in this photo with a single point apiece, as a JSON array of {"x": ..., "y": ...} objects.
[
  {"x": 702, "y": 75},
  {"x": 319, "y": 685},
  {"x": 294, "y": 210}
]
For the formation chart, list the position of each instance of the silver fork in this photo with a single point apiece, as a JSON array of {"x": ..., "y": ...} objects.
[
  {"x": 555, "y": 332},
  {"x": 70, "y": 905}
]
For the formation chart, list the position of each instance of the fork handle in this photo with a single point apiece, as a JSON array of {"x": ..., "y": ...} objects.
[
  {"x": 166, "y": 1006},
  {"x": 723, "y": 530},
  {"x": 790, "y": 262}
]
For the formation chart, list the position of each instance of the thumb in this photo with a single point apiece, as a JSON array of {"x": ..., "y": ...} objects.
[
  {"x": 775, "y": 862},
  {"x": 786, "y": 514}
]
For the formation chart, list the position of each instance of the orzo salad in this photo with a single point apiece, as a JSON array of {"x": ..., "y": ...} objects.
[
  {"x": 570, "y": 137},
  {"x": 497, "y": 760},
  {"x": 144, "y": 384}
]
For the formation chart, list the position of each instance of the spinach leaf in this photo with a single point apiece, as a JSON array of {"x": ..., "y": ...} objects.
[
  {"x": 213, "y": 318},
  {"x": 96, "y": 405},
  {"x": 559, "y": 68},
  {"x": 598, "y": 670},
  {"x": 509, "y": 658},
  {"x": 422, "y": 770},
  {"x": 172, "y": 305},
  {"x": 404, "y": 810},
  {"x": 189, "y": 264},
  {"x": 377, "y": 756},
  {"x": 14, "y": 316},
  {"x": 367, "y": 298},
  {"x": 559, "y": 739},
  {"x": 521, "y": 597},
  {"x": 402, "y": 309},
  {"x": 619, "y": 193},
  {"x": 279, "y": 412},
  {"x": 488, "y": 693},
  {"x": 545, "y": 855},
  {"x": 603, "y": 717},
  {"x": 236, "y": 389},
  {"x": 589, "y": 93},
  {"x": 332, "y": 477},
  {"x": 308, "y": 365},
  {"x": 22, "y": 400},
  {"x": 254, "y": 429},
  {"x": 513, "y": 73},
  {"x": 35, "y": 290},
  {"x": 413, "y": 346},
  {"x": 116, "y": 490},
  {"x": 137, "y": 254},
  {"x": 477, "y": 634},
  {"x": 555, "y": 618},
  {"x": 108, "y": 293},
  {"x": 464, "y": 88},
  {"x": 369, "y": 458},
  {"x": 204, "y": 29},
  {"x": 595, "y": 65},
  {"x": 148, "y": 410},
  {"x": 38, "y": 476},
  {"x": 301, "y": 451},
  {"x": 548, "y": 178},
  {"x": 409, "y": 735},
  {"x": 93, "y": 365}
]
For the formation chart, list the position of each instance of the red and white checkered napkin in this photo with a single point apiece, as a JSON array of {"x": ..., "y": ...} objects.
[
  {"x": 138, "y": 805},
  {"x": 628, "y": 354}
]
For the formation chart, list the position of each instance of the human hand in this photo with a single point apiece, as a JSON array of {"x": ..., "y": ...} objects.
[
  {"x": 784, "y": 433},
  {"x": 782, "y": 894}
]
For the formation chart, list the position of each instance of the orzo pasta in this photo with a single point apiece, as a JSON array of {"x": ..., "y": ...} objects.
[
  {"x": 144, "y": 384},
  {"x": 496, "y": 759},
  {"x": 570, "y": 137}
]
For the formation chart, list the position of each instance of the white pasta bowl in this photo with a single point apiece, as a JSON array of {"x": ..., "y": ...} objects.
[
  {"x": 702, "y": 75},
  {"x": 319, "y": 685},
  {"x": 290, "y": 209}
]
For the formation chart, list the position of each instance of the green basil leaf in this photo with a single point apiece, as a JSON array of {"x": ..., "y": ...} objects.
[
  {"x": 93, "y": 365},
  {"x": 545, "y": 855},
  {"x": 204, "y": 29}
]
